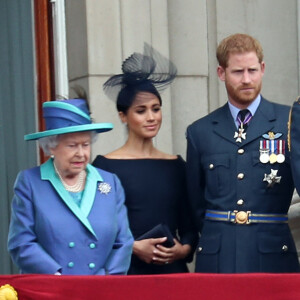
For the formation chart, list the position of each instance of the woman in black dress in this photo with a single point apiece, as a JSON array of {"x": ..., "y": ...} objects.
[{"x": 154, "y": 182}]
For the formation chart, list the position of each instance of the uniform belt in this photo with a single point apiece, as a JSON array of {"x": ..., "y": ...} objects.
[{"x": 244, "y": 217}]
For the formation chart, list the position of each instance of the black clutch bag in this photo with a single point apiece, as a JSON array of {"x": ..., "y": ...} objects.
[{"x": 160, "y": 230}]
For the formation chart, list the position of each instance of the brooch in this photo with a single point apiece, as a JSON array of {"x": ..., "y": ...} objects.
[
  {"x": 104, "y": 188},
  {"x": 272, "y": 178}
]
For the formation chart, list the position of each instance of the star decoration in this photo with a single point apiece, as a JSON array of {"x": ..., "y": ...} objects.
[
  {"x": 240, "y": 135},
  {"x": 272, "y": 178},
  {"x": 104, "y": 188}
]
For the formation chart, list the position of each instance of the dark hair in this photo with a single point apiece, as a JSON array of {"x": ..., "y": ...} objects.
[{"x": 127, "y": 94}]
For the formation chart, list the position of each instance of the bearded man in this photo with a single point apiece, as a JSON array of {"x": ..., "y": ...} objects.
[{"x": 238, "y": 172}]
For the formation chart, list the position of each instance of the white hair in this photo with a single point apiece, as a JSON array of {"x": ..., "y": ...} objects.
[
  {"x": 51, "y": 142},
  {"x": 48, "y": 142}
]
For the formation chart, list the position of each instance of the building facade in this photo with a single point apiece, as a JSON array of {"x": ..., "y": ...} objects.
[{"x": 91, "y": 38}]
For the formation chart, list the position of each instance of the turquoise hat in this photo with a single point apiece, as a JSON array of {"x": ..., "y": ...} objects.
[{"x": 67, "y": 116}]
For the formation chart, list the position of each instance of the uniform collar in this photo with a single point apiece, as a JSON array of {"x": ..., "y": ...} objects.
[
  {"x": 262, "y": 122},
  {"x": 252, "y": 108}
]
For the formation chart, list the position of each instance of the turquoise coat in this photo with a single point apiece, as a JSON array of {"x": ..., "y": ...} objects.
[{"x": 49, "y": 232}]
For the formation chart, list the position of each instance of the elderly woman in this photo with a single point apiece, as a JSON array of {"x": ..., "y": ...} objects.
[{"x": 68, "y": 217}]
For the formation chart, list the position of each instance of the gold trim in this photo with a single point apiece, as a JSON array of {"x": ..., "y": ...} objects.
[
  {"x": 244, "y": 217},
  {"x": 268, "y": 221},
  {"x": 270, "y": 215},
  {"x": 217, "y": 219},
  {"x": 241, "y": 217}
]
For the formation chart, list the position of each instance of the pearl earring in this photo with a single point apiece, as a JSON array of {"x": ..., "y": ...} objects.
[{"x": 52, "y": 156}]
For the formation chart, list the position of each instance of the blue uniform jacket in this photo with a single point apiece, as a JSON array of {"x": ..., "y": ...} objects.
[
  {"x": 295, "y": 143},
  {"x": 49, "y": 232},
  {"x": 225, "y": 175}
]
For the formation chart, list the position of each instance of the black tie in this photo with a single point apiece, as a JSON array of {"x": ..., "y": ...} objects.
[{"x": 242, "y": 115}]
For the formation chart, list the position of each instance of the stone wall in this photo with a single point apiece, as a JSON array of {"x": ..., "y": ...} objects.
[{"x": 102, "y": 33}]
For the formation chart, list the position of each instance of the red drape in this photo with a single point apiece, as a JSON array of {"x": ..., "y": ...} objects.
[{"x": 176, "y": 286}]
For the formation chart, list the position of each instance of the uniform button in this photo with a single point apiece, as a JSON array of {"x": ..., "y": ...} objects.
[
  {"x": 70, "y": 264},
  {"x": 91, "y": 265},
  {"x": 92, "y": 246},
  {"x": 240, "y": 176},
  {"x": 240, "y": 202},
  {"x": 285, "y": 248},
  {"x": 211, "y": 166},
  {"x": 241, "y": 151},
  {"x": 71, "y": 244},
  {"x": 200, "y": 249}
]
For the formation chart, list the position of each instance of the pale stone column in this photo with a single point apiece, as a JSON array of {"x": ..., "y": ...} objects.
[
  {"x": 102, "y": 33},
  {"x": 274, "y": 24},
  {"x": 113, "y": 31},
  {"x": 189, "y": 51}
]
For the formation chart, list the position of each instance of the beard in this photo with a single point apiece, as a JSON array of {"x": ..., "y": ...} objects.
[{"x": 241, "y": 96}]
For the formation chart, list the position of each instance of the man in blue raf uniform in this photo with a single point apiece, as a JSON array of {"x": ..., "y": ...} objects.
[{"x": 239, "y": 175}]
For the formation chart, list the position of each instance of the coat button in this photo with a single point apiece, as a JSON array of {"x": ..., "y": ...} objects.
[
  {"x": 240, "y": 202},
  {"x": 200, "y": 249},
  {"x": 241, "y": 151},
  {"x": 91, "y": 265},
  {"x": 70, "y": 264},
  {"x": 241, "y": 176},
  {"x": 285, "y": 248},
  {"x": 71, "y": 244},
  {"x": 211, "y": 166},
  {"x": 92, "y": 245}
]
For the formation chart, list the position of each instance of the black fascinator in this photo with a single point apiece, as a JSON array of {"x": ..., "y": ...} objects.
[{"x": 148, "y": 72}]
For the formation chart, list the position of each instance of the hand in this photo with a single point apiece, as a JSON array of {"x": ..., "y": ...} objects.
[
  {"x": 57, "y": 273},
  {"x": 144, "y": 249},
  {"x": 165, "y": 255}
]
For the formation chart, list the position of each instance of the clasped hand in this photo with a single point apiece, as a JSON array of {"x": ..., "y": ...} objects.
[{"x": 152, "y": 251}]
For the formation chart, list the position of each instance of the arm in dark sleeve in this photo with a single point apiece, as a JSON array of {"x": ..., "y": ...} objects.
[
  {"x": 187, "y": 230},
  {"x": 195, "y": 180},
  {"x": 120, "y": 256}
]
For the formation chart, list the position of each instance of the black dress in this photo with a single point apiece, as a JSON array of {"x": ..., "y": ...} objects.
[{"x": 155, "y": 192}]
